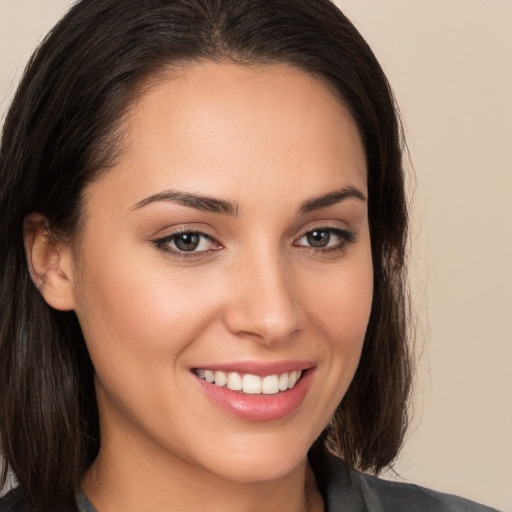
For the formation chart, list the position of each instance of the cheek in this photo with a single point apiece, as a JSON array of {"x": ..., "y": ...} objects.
[
  {"x": 142, "y": 318},
  {"x": 138, "y": 324},
  {"x": 139, "y": 311},
  {"x": 343, "y": 303},
  {"x": 342, "y": 313}
]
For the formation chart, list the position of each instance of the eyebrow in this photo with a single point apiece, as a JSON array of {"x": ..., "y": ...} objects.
[
  {"x": 330, "y": 199},
  {"x": 197, "y": 201},
  {"x": 213, "y": 205}
]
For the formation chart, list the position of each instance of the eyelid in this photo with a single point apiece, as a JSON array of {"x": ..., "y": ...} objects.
[
  {"x": 163, "y": 242},
  {"x": 318, "y": 225},
  {"x": 346, "y": 235},
  {"x": 192, "y": 227}
]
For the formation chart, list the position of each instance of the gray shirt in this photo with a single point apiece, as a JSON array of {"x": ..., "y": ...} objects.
[{"x": 351, "y": 491}]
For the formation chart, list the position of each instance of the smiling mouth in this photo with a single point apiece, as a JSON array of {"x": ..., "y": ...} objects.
[{"x": 251, "y": 384}]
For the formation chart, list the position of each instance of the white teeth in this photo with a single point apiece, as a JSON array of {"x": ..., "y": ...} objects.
[
  {"x": 251, "y": 384},
  {"x": 292, "y": 379},
  {"x": 283, "y": 382},
  {"x": 234, "y": 381},
  {"x": 270, "y": 385},
  {"x": 220, "y": 379}
]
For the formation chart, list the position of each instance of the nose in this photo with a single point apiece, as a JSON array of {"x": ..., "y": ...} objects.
[{"x": 265, "y": 304}]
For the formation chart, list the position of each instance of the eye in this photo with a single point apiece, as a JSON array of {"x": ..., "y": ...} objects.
[
  {"x": 326, "y": 238},
  {"x": 187, "y": 242}
]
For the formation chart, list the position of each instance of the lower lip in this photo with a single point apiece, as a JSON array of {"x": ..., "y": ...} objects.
[{"x": 258, "y": 407}]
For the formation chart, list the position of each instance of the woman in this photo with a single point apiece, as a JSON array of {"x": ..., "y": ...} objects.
[{"x": 203, "y": 264}]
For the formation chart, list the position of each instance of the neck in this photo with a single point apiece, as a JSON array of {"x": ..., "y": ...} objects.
[{"x": 139, "y": 477}]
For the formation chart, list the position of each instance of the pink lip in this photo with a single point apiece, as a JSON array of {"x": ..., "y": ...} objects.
[
  {"x": 259, "y": 368},
  {"x": 257, "y": 407}
]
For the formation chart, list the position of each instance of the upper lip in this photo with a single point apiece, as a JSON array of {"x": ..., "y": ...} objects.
[{"x": 259, "y": 368}]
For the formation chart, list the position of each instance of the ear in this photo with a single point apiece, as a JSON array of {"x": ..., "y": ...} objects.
[{"x": 50, "y": 263}]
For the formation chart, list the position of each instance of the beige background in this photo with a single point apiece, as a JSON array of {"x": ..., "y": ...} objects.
[{"x": 450, "y": 62}]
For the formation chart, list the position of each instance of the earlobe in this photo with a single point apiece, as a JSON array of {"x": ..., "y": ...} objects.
[{"x": 49, "y": 262}]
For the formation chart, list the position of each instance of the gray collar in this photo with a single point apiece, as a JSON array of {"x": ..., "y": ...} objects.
[{"x": 84, "y": 505}]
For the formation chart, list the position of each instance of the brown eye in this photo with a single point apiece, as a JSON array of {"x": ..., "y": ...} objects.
[
  {"x": 187, "y": 241},
  {"x": 318, "y": 238},
  {"x": 325, "y": 239}
]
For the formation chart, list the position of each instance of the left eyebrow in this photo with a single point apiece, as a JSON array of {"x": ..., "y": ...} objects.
[
  {"x": 330, "y": 199},
  {"x": 197, "y": 201}
]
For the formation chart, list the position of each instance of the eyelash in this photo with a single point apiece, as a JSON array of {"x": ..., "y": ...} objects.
[
  {"x": 164, "y": 243},
  {"x": 345, "y": 236}
]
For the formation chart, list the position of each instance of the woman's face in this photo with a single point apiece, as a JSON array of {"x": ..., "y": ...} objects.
[{"x": 231, "y": 242}]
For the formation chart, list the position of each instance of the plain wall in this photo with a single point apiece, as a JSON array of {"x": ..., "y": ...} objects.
[{"x": 450, "y": 64}]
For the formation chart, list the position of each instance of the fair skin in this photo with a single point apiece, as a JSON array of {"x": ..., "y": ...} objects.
[{"x": 266, "y": 280}]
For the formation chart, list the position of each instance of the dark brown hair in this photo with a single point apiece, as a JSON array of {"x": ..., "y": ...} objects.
[{"x": 60, "y": 134}]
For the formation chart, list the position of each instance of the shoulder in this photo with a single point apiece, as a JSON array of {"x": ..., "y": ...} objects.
[
  {"x": 13, "y": 501},
  {"x": 382, "y": 495},
  {"x": 368, "y": 493}
]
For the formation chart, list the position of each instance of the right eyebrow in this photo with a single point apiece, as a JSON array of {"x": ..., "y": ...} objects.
[
  {"x": 331, "y": 198},
  {"x": 197, "y": 201}
]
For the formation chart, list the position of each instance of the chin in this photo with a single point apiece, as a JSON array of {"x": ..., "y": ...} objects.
[
  {"x": 267, "y": 457},
  {"x": 245, "y": 469}
]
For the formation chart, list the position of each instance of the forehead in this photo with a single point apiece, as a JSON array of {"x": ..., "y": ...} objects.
[{"x": 212, "y": 127}]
